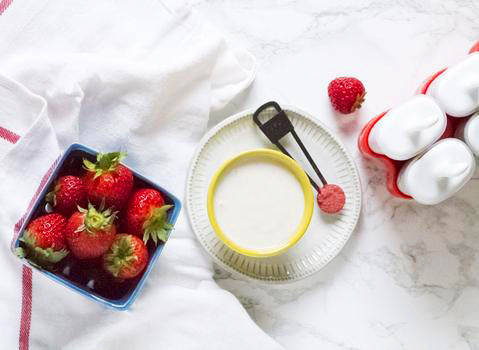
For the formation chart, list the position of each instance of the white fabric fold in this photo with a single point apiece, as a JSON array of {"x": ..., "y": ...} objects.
[{"x": 136, "y": 76}]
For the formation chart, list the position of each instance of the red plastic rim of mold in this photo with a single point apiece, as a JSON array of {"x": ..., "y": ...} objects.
[{"x": 393, "y": 166}]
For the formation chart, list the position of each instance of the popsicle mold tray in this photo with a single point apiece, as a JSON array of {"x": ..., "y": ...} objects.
[
  {"x": 87, "y": 278},
  {"x": 392, "y": 166}
]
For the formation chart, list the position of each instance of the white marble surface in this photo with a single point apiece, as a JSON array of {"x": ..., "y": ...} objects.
[{"x": 409, "y": 277}]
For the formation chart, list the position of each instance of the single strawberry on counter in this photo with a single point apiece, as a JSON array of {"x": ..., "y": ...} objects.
[
  {"x": 44, "y": 240},
  {"x": 346, "y": 94},
  {"x": 68, "y": 192},
  {"x": 126, "y": 258},
  {"x": 108, "y": 180},
  {"x": 89, "y": 232},
  {"x": 146, "y": 215}
]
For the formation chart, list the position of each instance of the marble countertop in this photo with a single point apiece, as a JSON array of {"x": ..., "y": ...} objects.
[{"x": 409, "y": 277}]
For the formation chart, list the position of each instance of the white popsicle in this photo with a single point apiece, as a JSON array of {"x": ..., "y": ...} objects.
[
  {"x": 436, "y": 175},
  {"x": 408, "y": 129},
  {"x": 457, "y": 89},
  {"x": 448, "y": 171},
  {"x": 468, "y": 131}
]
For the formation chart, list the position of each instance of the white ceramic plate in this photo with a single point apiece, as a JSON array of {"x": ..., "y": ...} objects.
[{"x": 326, "y": 234}]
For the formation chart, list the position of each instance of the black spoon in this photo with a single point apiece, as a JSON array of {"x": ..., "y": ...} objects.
[{"x": 279, "y": 126}]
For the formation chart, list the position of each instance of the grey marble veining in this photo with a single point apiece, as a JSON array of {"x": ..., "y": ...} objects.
[{"x": 409, "y": 277}]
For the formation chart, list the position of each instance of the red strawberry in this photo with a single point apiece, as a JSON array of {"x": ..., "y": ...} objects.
[
  {"x": 146, "y": 215},
  {"x": 127, "y": 257},
  {"x": 346, "y": 94},
  {"x": 89, "y": 233},
  {"x": 44, "y": 240},
  {"x": 68, "y": 192},
  {"x": 107, "y": 179}
]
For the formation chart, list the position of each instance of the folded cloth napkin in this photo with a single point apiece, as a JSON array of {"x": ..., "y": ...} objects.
[{"x": 140, "y": 76}]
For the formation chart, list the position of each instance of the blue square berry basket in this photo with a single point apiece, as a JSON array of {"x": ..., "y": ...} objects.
[{"x": 88, "y": 279}]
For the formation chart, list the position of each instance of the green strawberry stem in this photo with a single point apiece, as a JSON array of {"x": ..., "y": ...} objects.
[
  {"x": 51, "y": 196},
  {"x": 120, "y": 256},
  {"x": 105, "y": 162},
  {"x": 97, "y": 220},
  {"x": 39, "y": 256},
  {"x": 157, "y": 226}
]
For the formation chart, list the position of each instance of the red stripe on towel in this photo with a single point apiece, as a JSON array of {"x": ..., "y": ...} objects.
[
  {"x": 44, "y": 180},
  {"x": 4, "y": 5},
  {"x": 26, "y": 316},
  {"x": 8, "y": 135},
  {"x": 26, "y": 313}
]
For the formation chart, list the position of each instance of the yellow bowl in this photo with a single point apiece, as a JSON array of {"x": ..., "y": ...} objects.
[{"x": 300, "y": 175}]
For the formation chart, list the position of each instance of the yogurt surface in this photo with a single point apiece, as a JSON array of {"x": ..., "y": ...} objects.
[{"x": 259, "y": 204}]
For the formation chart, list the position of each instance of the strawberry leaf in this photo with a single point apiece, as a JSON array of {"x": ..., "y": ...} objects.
[
  {"x": 120, "y": 255},
  {"x": 163, "y": 234},
  {"x": 44, "y": 257},
  {"x": 88, "y": 165},
  {"x": 105, "y": 162},
  {"x": 48, "y": 255},
  {"x": 98, "y": 220},
  {"x": 51, "y": 198},
  {"x": 20, "y": 252},
  {"x": 146, "y": 236},
  {"x": 29, "y": 240},
  {"x": 157, "y": 226}
]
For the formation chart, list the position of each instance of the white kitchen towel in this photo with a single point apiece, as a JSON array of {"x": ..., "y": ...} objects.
[{"x": 134, "y": 75}]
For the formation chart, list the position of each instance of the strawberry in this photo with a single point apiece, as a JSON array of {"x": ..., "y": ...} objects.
[
  {"x": 44, "y": 240},
  {"x": 107, "y": 179},
  {"x": 126, "y": 258},
  {"x": 346, "y": 94},
  {"x": 67, "y": 193},
  {"x": 146, "y": 215},
  {"x": 89, "y": 232}
]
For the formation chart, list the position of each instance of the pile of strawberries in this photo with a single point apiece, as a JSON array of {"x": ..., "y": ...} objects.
[{"x": 90, "y": 211}]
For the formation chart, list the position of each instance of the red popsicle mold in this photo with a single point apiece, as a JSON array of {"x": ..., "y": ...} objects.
[{"x": 394, "y": 166}]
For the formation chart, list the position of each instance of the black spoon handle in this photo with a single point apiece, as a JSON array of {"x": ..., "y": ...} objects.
[
  {"x": 279, "y": 126},
  {"x": 282, "y": 149},
  {"x": 310, "y": 159}
]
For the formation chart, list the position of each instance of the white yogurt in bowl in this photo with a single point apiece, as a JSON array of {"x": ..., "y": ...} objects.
[{"x": 260, "y": 203}]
